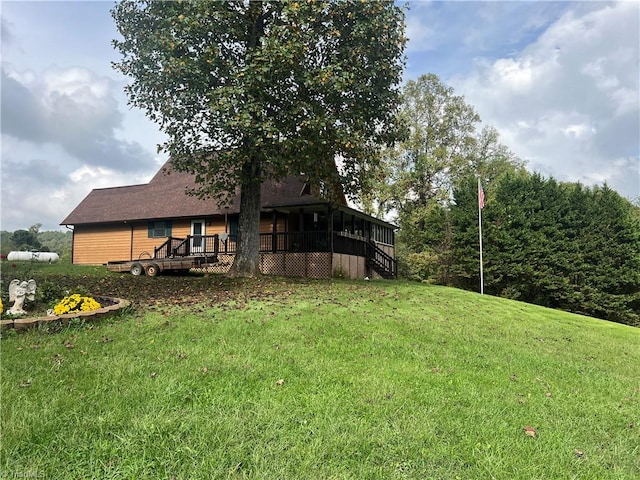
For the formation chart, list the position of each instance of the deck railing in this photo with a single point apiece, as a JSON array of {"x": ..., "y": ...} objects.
[
  {"x": 381, "y": 261},
  {"x": 217, "y": 244},
  {"x": 303, "y": 242}
]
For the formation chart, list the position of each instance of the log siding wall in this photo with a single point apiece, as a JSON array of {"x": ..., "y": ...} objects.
[{"x": 99, "y": 244}]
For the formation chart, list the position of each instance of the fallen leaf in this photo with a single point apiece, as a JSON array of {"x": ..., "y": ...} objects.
[
  {"x": 69, "y": 345},
  {"x": 530, "y": 431},
  {"x": 578, "y": 453},
  {"x": 549, "y": 394},
  {"x": 513, "y": 378},
  {"x": 26, "y": 384},
  {"x": 153, "y": 374},
  {"x": 205, "y": 369},
  {"x": 280, "y": 382},
  {"x": 57, "y": 360}
]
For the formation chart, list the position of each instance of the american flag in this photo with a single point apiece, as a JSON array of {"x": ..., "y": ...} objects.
[{"x": 480, "y": 195}]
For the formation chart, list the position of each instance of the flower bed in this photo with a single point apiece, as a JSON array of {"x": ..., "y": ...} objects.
[
  {"x": 108, "y": 306},
  {"x": 76, "y": 303}
]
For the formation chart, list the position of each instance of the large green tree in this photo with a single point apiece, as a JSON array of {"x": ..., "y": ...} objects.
[
  {"x": 444, "y": 145},
  {"x": 27, "y": 239},
  {"x": 250, "y": 90}
]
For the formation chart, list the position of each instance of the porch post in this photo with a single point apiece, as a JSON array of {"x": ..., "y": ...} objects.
[
  {"x": 274, "y": 232},
  {"x": 301, "y": 237},
  {"x": 330, "y": 227}
]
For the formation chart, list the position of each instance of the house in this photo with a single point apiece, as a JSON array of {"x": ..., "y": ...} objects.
[{"x": 301, "y": 234}]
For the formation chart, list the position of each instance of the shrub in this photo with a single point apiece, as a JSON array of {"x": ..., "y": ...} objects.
[
  {"x": 50, "y": 291},
  {"x": 422, "y": 266}
]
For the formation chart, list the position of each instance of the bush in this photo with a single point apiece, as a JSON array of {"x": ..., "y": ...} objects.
[
  {"x": 50, "y": 292},
  {"x": 421, "y": 267}
]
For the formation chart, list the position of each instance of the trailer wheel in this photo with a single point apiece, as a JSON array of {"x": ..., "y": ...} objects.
[
  {"x": 136, "y": 269},
  {"x": 153, "y": 270}
]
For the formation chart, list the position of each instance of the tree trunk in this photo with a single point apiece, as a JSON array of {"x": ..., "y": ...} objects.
[{"x": 247, "y": 259}]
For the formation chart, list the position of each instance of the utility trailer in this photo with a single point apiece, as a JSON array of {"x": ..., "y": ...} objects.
[{"x": 153, "y": 266}]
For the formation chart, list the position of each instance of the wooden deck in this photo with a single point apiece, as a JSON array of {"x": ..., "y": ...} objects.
[{"x": 213, "y": 246}]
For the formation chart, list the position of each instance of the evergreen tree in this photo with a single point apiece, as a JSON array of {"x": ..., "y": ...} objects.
[
  {"x": 27, "y": 239},
  {"x": 555, "y": 244}
]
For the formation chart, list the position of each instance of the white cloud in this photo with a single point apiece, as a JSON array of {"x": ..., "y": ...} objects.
[
  {"x": 558, "y": 79},
  {"x": 570, "y": 102},
  {"x": 6, "y": 31},
  {"x": 421, "y": 37},
  {"x": 62, "y": 135},
  {"x": 42, "y": 184},
  {"x": 579, "y": 130},
  {"x": 73, "y": 108},
  {"x": 517, "y": 76}
]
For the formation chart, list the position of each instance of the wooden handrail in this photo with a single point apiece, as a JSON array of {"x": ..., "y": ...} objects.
[
  {"x": 316, "y": 241},
  {"x": 381, "y": 259}
]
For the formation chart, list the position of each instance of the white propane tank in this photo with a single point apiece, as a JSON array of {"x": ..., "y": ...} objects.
[{"x": 48, "y": 257}]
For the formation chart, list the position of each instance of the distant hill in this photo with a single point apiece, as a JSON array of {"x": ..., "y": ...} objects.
[{"x": 54, "y": 241}]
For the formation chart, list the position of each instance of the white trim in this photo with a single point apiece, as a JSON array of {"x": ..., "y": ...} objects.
[{"x": 198, "y": 244}]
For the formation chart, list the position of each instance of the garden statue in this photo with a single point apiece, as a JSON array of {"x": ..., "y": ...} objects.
[{"x": 18, "y": 293}]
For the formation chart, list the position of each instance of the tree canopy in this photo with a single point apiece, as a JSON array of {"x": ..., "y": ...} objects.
[
  {"x": 247, "y": 91},
  {"x": 35, "y": 240},
  {"x": 556, "y": 244},
  {"x": 444, "y": 145},
  {"x": 27, "y": 239}
]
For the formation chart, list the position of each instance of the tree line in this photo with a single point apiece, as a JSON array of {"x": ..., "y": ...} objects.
[
  {"x": 557, "y": 244},
  {"x": 34, "y": 240},
  {"x": 562, "y": 245}
]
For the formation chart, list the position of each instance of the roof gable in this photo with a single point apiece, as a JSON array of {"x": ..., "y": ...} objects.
[{"x": 165, "y": 197}]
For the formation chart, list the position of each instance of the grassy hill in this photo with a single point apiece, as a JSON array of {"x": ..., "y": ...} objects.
[{"x": 324, "y": 379}]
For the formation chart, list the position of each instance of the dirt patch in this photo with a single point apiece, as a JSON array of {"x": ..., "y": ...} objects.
[{"x": 179, "y": 290}]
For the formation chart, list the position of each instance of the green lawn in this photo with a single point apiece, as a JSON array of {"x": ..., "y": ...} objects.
[{"x": 326, "y": 380}]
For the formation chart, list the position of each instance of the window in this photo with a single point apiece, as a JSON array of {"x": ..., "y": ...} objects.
[
  {"x": 159, "y": 229},
  {"x": 382, "y": 234}
]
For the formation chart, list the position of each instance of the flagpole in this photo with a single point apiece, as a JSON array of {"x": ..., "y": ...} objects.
[{"x": 480, "y": 206}]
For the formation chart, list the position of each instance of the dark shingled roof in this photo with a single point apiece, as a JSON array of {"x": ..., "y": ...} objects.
[{"x": 165, "y": 197}]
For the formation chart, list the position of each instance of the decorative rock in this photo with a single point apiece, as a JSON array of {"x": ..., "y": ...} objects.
[{"x": 21, "y": 324}]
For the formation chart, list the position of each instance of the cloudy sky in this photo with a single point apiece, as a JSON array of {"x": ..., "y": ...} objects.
[{"x": 559, "y": 80}]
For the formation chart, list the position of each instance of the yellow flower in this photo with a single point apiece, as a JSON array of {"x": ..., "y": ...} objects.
[{"x": 75, "y": 303}]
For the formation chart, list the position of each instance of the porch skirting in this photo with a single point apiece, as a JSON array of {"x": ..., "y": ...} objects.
[{"x": 299, "y": 264}]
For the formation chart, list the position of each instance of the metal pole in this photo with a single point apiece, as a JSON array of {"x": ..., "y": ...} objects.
[{"x": 480, "y": 206}]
